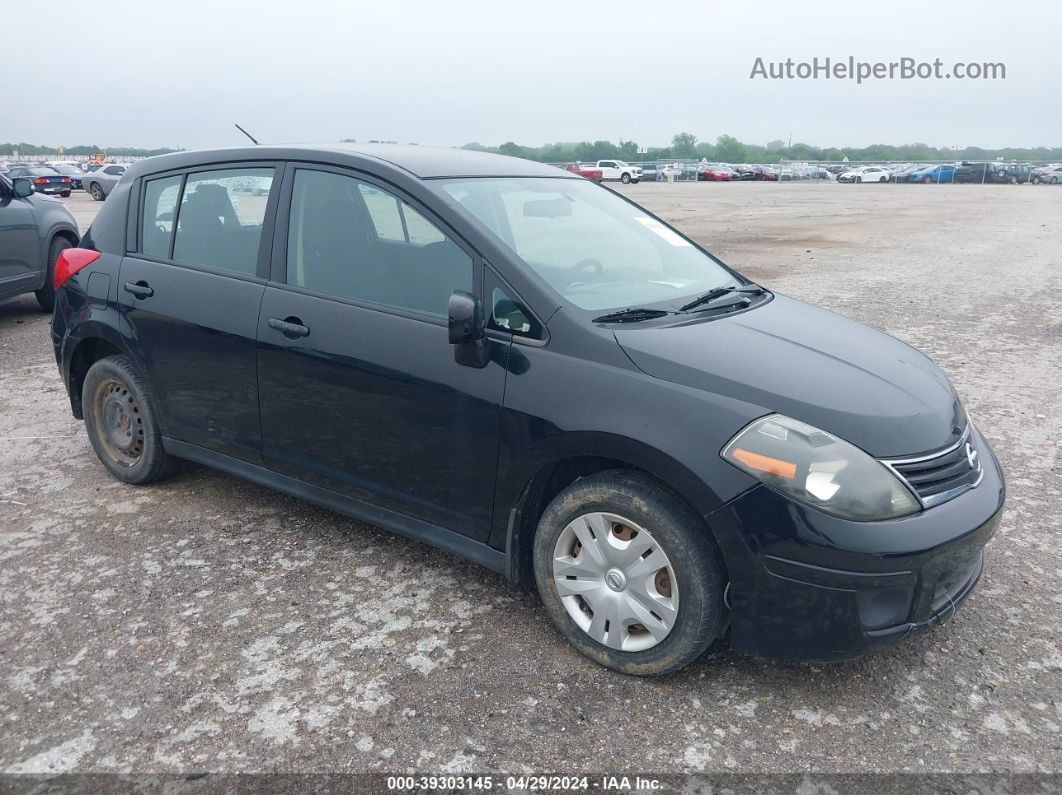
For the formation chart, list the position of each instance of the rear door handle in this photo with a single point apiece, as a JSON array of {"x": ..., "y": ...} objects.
[
  {"x": 140, "y": 289},
  {"x": 290, "y": 327}
]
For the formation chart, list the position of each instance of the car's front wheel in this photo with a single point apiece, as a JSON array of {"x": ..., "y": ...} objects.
[
  {"x": 629, "y": 573},
  {"x": 122, "y": 424},
  {"x": 857, "y": 179},
  {"x": 96, "y": 192},
  {"x": 625, "y": 179}
]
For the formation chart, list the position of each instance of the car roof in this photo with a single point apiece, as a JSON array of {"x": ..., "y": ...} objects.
[{"x": 425, "y": 162}]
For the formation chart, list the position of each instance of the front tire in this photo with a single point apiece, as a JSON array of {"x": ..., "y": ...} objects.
[
  {"x": 926, "y": 180},
  {"x": 122, "y": 424},
  {"x": 46, "y": 295},
  {"x": 96, "y": 192},
  {"x": 629, "y": 573},
  {"x": 625, "y": 179},
  {"x": 857, "y": 179}
]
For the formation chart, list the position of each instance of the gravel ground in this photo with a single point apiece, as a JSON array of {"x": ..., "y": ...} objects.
[{"x": 209, "y": 624}]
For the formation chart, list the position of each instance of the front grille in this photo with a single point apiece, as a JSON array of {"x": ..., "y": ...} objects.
[{"x": 942, "y": 475}]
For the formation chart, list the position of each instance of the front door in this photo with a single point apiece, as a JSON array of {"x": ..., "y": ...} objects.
[
  {"x": 190, "y": 298},
  {"x": 21, "y": 257},
  {"x": 360, "y": 392}
]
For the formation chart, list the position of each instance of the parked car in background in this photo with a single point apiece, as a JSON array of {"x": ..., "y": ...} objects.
[
  {"x": 101, "y": 182},
  {"x": 45, "y": 179},
  {"x": 765, "y": 174},
  {"x": 930, "y": 174},
  {"x": 864, "y": 174},
  {"x": 900, "y": 173},
  {"x": 69, "y": 170},
  {"x": 618, "y": 170},
  {"x": 744, "y": 173},
  {"x": 34, "y": 231},
  {"x": 713, "y": 172},
  {"x": 1052, "y": 175},
  {"x": 585, "y": 171},
  {"x": 819, "y": 172}
]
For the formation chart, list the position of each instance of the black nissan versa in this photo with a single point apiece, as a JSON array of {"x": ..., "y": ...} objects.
[{"x": 522, "y": 367}]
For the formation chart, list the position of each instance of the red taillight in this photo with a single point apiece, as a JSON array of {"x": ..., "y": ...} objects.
[
  {"x": 67, "y": 179},
  {"x": 71, "y": 261},
  {"x": 40, "y": 181}
]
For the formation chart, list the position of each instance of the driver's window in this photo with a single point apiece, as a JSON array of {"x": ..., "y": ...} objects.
[{"x": 160, "y": 204}]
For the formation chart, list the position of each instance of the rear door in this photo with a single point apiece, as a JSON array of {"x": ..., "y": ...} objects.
[
  {"x": 190, "y": 295},
  {"x": 360, "y": 392}
]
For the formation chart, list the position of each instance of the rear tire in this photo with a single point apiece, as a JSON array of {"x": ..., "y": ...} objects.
[
  {"x": 46, "y": 295},
  {"x": 96, "y": 192},
  {"x": 122, "y": 424},
  {"x": 672, "y": 579},
  {"x": 857, "y": 179},
  {"x": 65, "y": 194}
]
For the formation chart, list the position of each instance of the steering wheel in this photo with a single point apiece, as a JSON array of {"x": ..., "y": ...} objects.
[{"x": 589, "y": 262}]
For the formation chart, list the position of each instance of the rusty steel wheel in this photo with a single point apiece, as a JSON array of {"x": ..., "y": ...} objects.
[{"x": 119, "y": 418}]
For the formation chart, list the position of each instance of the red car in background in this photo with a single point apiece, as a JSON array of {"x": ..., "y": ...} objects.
[
  {"x": 765, "y": 173},
  {"x": 595, "y": 174},
  {"x": 714, "y": 172}
]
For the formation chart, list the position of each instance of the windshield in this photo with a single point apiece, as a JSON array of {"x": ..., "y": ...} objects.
[{"x": 592, "y": 247}]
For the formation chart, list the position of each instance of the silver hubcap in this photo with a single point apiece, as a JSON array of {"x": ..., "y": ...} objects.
[{"x": 615, "y": 581}]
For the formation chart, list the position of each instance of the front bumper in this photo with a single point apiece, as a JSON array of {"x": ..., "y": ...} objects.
[{"x": 811, "y": 586}]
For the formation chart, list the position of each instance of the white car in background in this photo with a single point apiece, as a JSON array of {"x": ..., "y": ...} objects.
[
  {"x": 864, "y": 174},
  {"x": 612, "y": 170}
]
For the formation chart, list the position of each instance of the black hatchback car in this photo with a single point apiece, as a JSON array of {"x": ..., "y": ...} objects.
[{"x": 522, "y": 367}]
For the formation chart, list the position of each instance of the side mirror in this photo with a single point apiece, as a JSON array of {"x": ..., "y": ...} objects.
[
  {"x": 467, "y": 323},
  {"x": 22, "y": 187}
]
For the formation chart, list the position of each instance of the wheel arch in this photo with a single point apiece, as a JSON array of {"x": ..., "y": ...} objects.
[
  {"x": 524, "y": 492},
  {"x": 98, "y": 344}
]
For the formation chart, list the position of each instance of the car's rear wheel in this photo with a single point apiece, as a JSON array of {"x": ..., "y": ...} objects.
[
  {"x": 122, "y": 424},
  {"x": 1054, "y": 180},
  {"x": 857, "y": 179},
  {"x": 46, "y": 295},
  {"x": 96, "y": 191},
  {"x": 883, "y": 179},
  {"x": 629, "y": 574},
  {"x": 65, "y": 194}
]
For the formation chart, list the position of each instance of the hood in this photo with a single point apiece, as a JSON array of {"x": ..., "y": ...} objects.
[{"x": 789, "y": 357}]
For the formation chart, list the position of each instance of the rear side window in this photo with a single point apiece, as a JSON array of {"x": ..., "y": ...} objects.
[
  {"x": 219, "y": 224},
  {"x": 350, "y": 239},
  {"x": 160, "y": 208}
]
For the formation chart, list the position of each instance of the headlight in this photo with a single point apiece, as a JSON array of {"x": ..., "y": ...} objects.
[{"x": 819, "y": 470}]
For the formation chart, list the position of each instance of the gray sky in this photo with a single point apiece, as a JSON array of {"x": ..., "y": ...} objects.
[{"x": 180, "y": 74}]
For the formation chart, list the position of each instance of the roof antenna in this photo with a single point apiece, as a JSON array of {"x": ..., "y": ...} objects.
[{"x": 238, "y": 127}]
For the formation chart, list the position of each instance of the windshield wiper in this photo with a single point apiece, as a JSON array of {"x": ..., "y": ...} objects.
[
  {"x": 630, "y": 315},
  {"x": 719, "y": 292}
]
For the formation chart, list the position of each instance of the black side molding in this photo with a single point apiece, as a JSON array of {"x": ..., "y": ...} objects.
[{"x": 436, "y": 536}]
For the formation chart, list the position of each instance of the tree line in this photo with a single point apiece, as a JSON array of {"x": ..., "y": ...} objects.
[
  {"x": 36, "y": 150},
  {"x": 725, "y": 149},
  {"x": 728, "y": 149}
]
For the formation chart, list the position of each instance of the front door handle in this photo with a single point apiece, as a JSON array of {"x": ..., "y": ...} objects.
[
  {"x": 141, "y": 289},
  {"x": 289, "y": 327}
]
